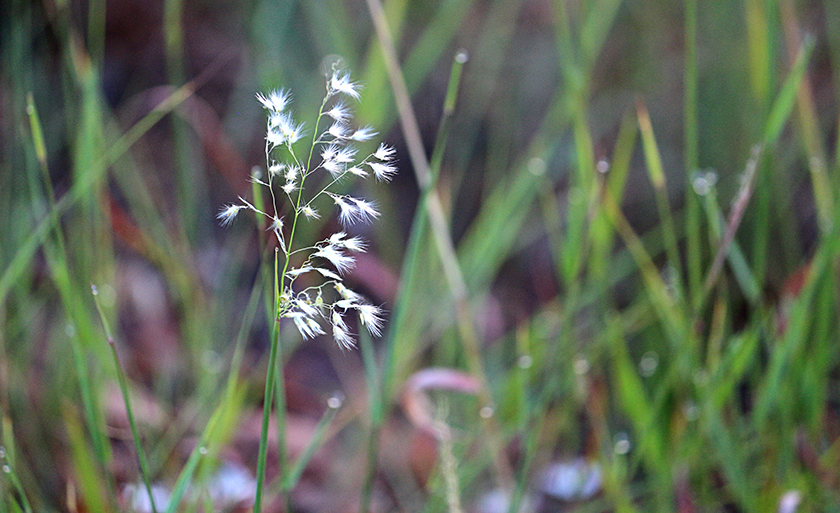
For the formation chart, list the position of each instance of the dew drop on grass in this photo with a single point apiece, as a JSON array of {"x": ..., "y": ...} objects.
[
  {"x": 581, "y": 366},
  {"x": 536, "y": 166},
  {"x": 334, "y": 402},
  {"x": 648, "y": 364},
  {"x": 703, "y": 181},
  {"x": 2, "y": 452},
  {"x": 7, "y": 469},
  {"x": 486, "y": 412},
  {"x": 622, "y": 443},
  {"x": 691, "y": 411},
  {"x": 602, "y": 166},
  {"x": 525, "y": 361}
]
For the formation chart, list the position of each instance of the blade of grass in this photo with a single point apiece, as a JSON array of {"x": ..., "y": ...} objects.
[
  {"x": 785, "y": 100},
  {"x": 729, "y": 451},
  {"x": 655, "y": 287},
  {"x": 633, "y": 399},
  {"x": 808, "y": 122},
  {"x": 376, "y": 407},
  {"x": 90, "y": 478},
  {"x": 442, "y": 235},
  {"x": 84, "y": 184},
  {"x": 190, "y": 185},
  {"x": 224, "y": 418},
  {"x": 135, "y": 434},
  {"x": 393, "y": 358},
  {"x": 735, "y": 255},
  {"x": 657, "y": 178},
  {"x": 57, "y": 259},
  {"x": 601, "y": 233},
  {"x": 735, "y": 216},
  {"x": 8, "y": 471},
  {"x": 779, "y": 113},
  {"x": 694, "y": 255},
  {"x": 274, "y": 373},
  {"x": 761, "y": 55},
  {"x": 802, "y": 313},
  {"x": 292, "y": 477}
]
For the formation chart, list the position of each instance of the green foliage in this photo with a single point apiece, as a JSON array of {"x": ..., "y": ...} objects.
[{"x": 626, "y": 237}]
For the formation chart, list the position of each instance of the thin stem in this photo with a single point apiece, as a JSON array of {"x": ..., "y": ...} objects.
[
  {"x": 269, "y": 396},
  {"x": 279, "y": 287},
  {"x": 141, "y": 455},
  {"x": 443, "y": 237}
]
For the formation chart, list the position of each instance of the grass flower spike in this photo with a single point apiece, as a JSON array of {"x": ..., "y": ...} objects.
[{"x": 307, "y": 181}]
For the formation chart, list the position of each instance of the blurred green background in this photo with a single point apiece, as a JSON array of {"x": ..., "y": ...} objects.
[{"x": 630, "y": 303}]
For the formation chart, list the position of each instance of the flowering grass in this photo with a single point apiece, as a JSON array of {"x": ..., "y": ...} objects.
[
  {"x": 305, "y": 181},
  {"x": 620, "y": 260}
]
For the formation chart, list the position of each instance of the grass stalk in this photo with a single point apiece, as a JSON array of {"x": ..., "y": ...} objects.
[
  {"x": 268, "y": 399},
  {"x": 691, "y": 156},
  {"x": 379, "y": 382},
  {"x": 808, "y": 122},
  {"x": 656, "y": 174},
  {"x": 442, "y": 236},
  {"x": 85, "y": 183},
  {"x": 57, "y": 259},
  {"x": 294, "y": 474},
  {"x": 735, "y": 217},
  {"x": 8, "y": 469},
  {"x": 373, "y": 380},
  {"x": 280, "y": 413},
  {"x": 135, "y": 434}
]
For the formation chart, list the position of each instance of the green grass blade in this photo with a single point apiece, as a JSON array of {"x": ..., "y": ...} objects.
[
  {"x": 293, "y": 476},
  {"x": 657, "y": 178},
  {"x": 786, "y": 99},
  {"x": 91, "y": 481},
  {"x": 135, "y": 434},
  {"x": 9, "y": 474},
  {"x": 694, "y": 253},
  {"x": 82, "y": 187}
]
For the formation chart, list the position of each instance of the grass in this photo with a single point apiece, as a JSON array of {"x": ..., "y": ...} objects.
[{"x": 616, "y": 220}]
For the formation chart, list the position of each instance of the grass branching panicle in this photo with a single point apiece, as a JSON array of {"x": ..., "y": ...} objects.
[{"x": 307, "y": 182}]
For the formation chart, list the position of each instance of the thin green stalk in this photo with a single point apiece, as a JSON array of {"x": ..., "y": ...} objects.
[
  {"x": 694, "y": 254},
  {"x": 212, "y": 438},
  {"x": 57, "y": 259},
  {"x": 81, "y": 187},
  {"x": 272, "y": 378},
  {"x": 135, "y": 434},
  {"x": 657, "y": 178},
  {"x": 376, "y": 399},
  {"x": 8, "y": 470},
  {"x": 443, "y": 238},
  {"x": 738, "y": 209},
  {"x": 809, "y": 124},
  {"x": 280, "y": 406},
  {"x": 294, "y": 474},
  {"x": 379, "y": 387},
  {"x": 670, "y": 316},
  {"x": 267, "y": 401}
]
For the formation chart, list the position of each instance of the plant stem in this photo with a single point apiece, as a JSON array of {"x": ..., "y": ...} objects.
[
  {"x": 135, "y": 434},
  {"x": 269, "y": 396}
]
